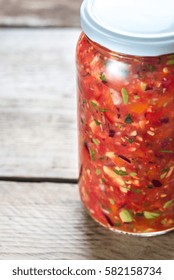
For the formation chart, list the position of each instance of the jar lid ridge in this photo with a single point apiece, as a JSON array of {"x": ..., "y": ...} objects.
[{"x": 133, "y": 27}]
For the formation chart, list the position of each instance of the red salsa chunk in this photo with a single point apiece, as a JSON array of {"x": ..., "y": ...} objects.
[{"x": 126, "y": 138}]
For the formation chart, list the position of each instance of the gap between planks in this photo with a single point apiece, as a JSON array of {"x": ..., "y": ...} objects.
[{"x": 38, "y": 180}]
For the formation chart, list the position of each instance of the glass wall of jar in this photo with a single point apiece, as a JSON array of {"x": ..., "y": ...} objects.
[{"x": 126, "y": 138}]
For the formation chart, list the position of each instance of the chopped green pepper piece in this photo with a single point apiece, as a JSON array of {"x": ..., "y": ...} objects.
[
  {"x": 94, "y": 104},
  {"x": 170, "y": 62},
  {"x": 125, "y": 95},
  {"x": 151, "y": 215},
  {"x": 95, "y": 141},
  {"x": 98, "y": 172},
  {"x": 92, "y": 154},
  {"x": 163, "y": 222},
  {"x": 120, "y": 172},
  {"x": 111, "y": 201},
  {"x": 125, "y": 216},
  {"x": 167, "y": 204},
  {"x": 163, "y": 175},
  {"x": 103, "y": 77},
  {"x": 97, "y": 122},
  {"x": 133, "y": 174}
]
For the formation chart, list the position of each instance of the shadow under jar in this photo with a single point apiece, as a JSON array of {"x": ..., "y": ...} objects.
[{"x": 125, "y": 77}]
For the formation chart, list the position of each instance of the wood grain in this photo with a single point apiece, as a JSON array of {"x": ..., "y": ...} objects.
[
  {"x": 47, "y": 221},
  {"x": 37, "y": 103},
  {"x": 39, "y": 13}
]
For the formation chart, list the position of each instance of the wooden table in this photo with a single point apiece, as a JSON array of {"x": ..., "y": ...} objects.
[{"x": 41, "y": 216}]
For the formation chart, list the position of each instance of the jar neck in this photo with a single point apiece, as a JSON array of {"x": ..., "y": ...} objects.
[{"x": 119, "y": 56}]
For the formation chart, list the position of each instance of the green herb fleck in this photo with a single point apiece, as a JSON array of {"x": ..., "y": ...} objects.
[
  {"x": 167, "y": 204},
  {"x": 133, "y": 174},
  {"x": 120, "y": 172},
  {"x": 111, "y": 201},
  {"x": 150, "y": 67},
  {"x": 98, "y": 172},
  {"x": 117, "y": 224},
  {"x": 125, "y": 95},
  {"x": 166, "y": 151},
  {"x": 102, "y": 110},
  {"x": 95, "y": 141},
  {"x": 84, "y": 101},
  {"x": 94, "y": 104},
  {"x": 151, "y": 215},
  {"x": 128, "y": 119},
  {"x": 92, "y": 154},
  {"x": 136, "y": 96},
  {"x": 96, "y": 107},
  {"x": 103, "y": 77},
  {"x": 125, "y": 216},
  {"x": 150, "y": 186},
  {"x": 103, "y": 180},
  {"x": 164, "y": 171},
  {"x": 170, "y": 62},
  {"x": 102, "y": 158},
  {"x": 97, "y": 122},
  {"x": 163, "y": 222},
  {"x": 130, "y": 140},
  {"x": 136, "y": 191}
]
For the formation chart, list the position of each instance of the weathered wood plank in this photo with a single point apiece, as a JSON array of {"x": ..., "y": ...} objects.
[
  {"x": 47, "y": 221},
  {"x": 62, "y": 13},
  {"x": 38, "y": 136}
]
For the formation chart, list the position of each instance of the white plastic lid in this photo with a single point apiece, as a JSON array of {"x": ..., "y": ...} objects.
[{"x": 133, "y": 27}]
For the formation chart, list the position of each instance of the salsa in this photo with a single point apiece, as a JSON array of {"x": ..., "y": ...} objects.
[{"x": 126, "y": 138}]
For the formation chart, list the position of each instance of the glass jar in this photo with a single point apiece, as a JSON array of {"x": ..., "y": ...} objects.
[{"x": 126, "y": 122}]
